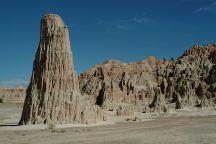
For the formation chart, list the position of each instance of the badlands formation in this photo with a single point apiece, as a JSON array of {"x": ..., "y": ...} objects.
[
  {"x": 154, "y": 85},
  {"x": 56, "y": 95}
]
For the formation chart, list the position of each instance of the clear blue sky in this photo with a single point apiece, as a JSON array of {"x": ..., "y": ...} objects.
[{"x": 128, "y": 30}]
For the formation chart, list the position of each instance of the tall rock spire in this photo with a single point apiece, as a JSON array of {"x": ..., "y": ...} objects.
[{"x": 53, "y": 93}]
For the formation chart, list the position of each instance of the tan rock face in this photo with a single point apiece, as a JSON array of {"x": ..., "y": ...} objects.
[
  {"x": 114, "y": 84},
  {"x": 12, "y": 95},
  {"x": 53, "y": 95},
  {"x": 190, "y": 80}
]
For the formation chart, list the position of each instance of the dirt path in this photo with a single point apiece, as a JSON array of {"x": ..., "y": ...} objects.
[
  {"x": 181, "y": 130},
  {"x": 163, "y": 130}
]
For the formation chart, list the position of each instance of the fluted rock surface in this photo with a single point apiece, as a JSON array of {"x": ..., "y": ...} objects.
[
  {"x": 154, "y": 85},
  {"x": 12, "y": 95},
  {"x": 124, "y": 88},
  {"x": 53, "y": 95},
  {"x": 190, "y": 81}
]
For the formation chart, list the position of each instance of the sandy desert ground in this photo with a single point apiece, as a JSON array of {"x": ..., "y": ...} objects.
[{"x": 183, "y": 127}]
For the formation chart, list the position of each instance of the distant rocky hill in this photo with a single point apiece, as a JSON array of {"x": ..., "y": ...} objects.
[
  {"x": 154, "y": 85},
  {"x": 12, "y": 95}
]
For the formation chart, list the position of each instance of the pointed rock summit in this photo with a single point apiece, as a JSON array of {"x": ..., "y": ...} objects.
[{"x": 53, "y": 95}]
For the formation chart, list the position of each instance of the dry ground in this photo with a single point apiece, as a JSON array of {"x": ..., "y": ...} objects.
[{"x": 162, "y": 130}]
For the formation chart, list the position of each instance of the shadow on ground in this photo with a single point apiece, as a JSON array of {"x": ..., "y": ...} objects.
[{"x": 6, "y": 125}]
